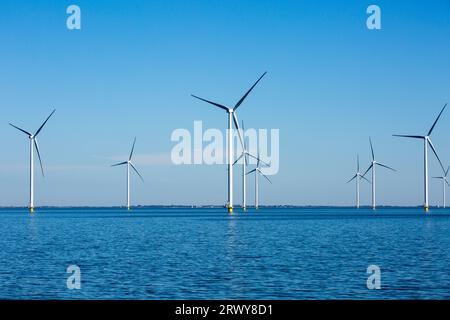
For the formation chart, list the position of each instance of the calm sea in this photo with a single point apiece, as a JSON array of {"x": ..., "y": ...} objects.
[{"x": 168, "y": 253}]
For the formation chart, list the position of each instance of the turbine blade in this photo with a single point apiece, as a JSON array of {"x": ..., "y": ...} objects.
[
  {"x": 435, "y": 153},
  {"x": 250, "y": 171},
  {"x": 246, "y": 154},
  {"x": 132, "y": 149},
  {"x": 387, "y": 167},
  {"x": 243, "y": 133},
  {"x": 39, "y": 156},
  {"x": 408, "y": 136},
  {"x": 371, "y": 149},
  {"x": 447, "y": 183},
  {"x": 26, "y": 132},
  {"x": 236, "y": 123},
  {"x": 247, "y": 93},
  {"x": 370, "y": 167},
  {"x": 432, "y": 127},
  {"x": 365, "y": 179},
  {"x": 119, "y": 164},
  {"x": 40, "y": 128},
  {"x": 357, "y": 163},
  {"x": 446, "y": 172},
  {"x": 239, "y": 158},
  {"x": 353, "y": 178},
  {"x": 210, "y": 102},
  {"x": 264, "y": 176},
  {"x": 136, "y": 172},
  {"x": 258, "y": 159}
]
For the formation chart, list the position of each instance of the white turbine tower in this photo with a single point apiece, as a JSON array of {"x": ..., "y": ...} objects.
[
  {"x": 426, "y": 142},
  {"x": 231, "y": 118},
  {"x": 244, "y": 156},
  {"x": 358, "y": 176},
  {"x": 258, "y": 172},
  {"x": 33, "y": 144},
  {"x": 444, "y": 182},
  {"x": 129, "y": 164},
  {"x": 373, "y": 166}
]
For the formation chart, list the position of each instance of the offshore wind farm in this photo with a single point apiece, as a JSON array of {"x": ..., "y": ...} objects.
[{"x": 322, "y": 194}]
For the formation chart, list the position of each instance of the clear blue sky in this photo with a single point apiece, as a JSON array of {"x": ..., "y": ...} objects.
[{"x": 131, "y": 68}]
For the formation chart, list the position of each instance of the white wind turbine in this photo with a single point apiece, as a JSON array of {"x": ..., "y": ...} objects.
[
  {"x": 444, "y": 182},
  {"x": 129, "y": 164},
  {"x": 231, "y": 118},
  {"x": 244, "y": 156},
  {"x": 258, "y": 172},
  {"x": 426, "y": 142},
  {"x": 33, "y": 144},
  {"x": 358, "y": 176},
  {"x": 372, "y": 166}
]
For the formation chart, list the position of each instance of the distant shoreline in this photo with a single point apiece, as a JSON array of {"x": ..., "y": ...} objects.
[{"x": 219, "y": 207}]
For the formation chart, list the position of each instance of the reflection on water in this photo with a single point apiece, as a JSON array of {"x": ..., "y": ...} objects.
[{"x": 162, "y": 253}]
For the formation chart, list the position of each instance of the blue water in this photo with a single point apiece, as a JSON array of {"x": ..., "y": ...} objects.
[{"x": 167, "y": 253}]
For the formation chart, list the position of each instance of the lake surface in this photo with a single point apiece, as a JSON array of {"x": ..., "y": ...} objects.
[{"x": 272, "y": 253}]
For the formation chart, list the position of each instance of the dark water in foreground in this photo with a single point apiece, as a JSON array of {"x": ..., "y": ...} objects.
[{"x": 204, "y": 254}]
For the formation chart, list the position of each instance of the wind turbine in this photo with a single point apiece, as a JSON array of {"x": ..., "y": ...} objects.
[
  {"x": 358, "y": 176},
  {"x": 372, "y": 166},
  {"x": 444, "y": 182},
  {"x": 244, "y": 156},
  {"x": 33, "y": 144},
  {"x": 129, "y": 164},
  {"x": 231, "y": 118},
  {"x": 426, "y": 142},
  {"x": 258, "y": 172}
]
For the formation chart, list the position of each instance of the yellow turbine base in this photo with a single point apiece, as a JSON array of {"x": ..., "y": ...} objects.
[
  {"x": 426, "y": 209},
  {"x": 230, "y": 210},
  {"x": 31, "y": 210}
]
